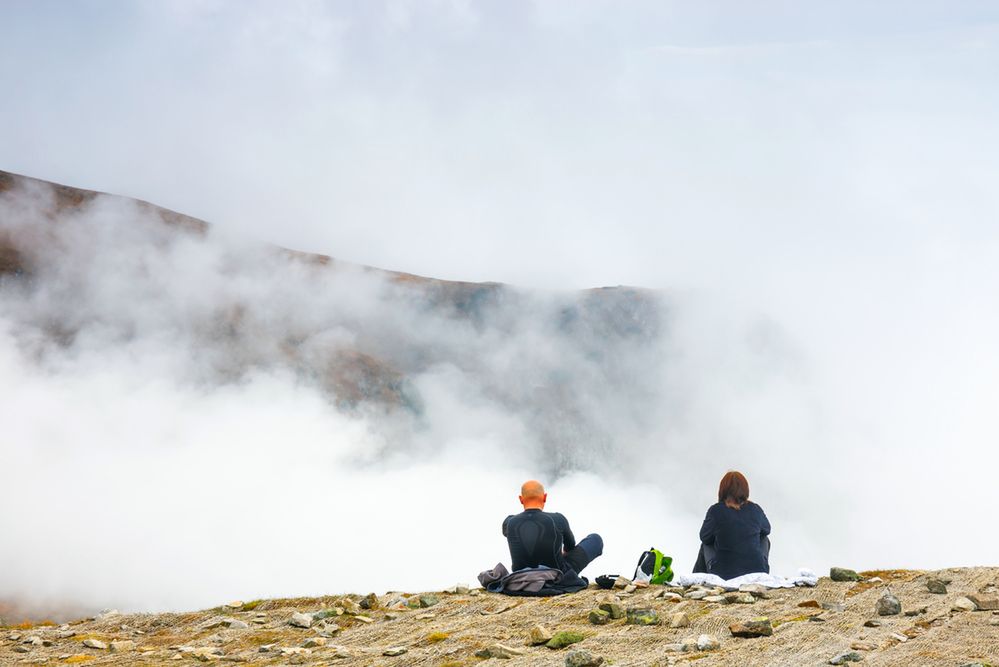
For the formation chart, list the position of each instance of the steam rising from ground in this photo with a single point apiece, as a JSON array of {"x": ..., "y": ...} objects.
[{"x": 173, "y": 437}]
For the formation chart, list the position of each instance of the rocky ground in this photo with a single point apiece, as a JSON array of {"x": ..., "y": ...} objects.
[{"x": 948, "y": 617}]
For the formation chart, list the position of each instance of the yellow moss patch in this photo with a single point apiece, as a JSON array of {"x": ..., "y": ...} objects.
[
  {"x": 251, "y": 605},
  {"x": 793, "y": 619},
  {"x": 75, "y": 659},
  {"x": 437, "y": 637},
  {"x": 89, "y": 635}
]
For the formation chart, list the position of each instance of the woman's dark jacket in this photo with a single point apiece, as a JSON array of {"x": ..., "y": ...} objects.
[{"x": 737, "y": 540}]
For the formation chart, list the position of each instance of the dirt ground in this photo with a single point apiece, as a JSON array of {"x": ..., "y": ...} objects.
[{"x": 451, "y": 631}]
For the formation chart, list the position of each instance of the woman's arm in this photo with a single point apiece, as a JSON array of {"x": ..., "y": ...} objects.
[
  {"x": 708, "y": 528},
  {"x": 764, "y": 522}
]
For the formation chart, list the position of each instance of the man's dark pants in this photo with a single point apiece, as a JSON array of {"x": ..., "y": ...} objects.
[{"x": 585, "y": 552}]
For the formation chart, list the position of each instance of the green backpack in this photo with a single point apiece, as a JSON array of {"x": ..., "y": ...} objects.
[{"x": 654, "y": 567}]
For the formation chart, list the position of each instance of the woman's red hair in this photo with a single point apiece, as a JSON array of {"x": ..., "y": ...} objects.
[{"x": 734, "y": 489}]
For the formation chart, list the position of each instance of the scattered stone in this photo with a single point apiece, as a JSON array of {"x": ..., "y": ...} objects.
[
  {"x": 708, "y": 643},
  {"x": 679, "y": 620},
  {"x": 266, "y": 648},
  {"x": 615, "y": 610},
  {"x": 349, "y": 606},
  {"x": 339, "y": 651},
  {"x": 204, "y": 654},
  {"x": 34, "y": 640},
  {"x": 367, "y": 619},
  {"x": 641, "y": 616},
  {"x": 622, "y": 583},
  {"x": 843, "y": 658},
  {"x": 579, "y": 657},
  {"x": 696, "y": 594},
  {"x": 843, "y": 574},
  {"x": 323, "y": 614},
  {"x": 813, "y": 604},
  {"x": 300, "y": 620},
  {"x": 499, "y": 651},
  {"x": 107, "y": 613},
  {"x": 964, "y": 604},
  {"x": 714, "y": 598},
  {"x": 900, "y": 637},
  {"x": 124, "y": 645},
  {"x": 314, "y": 642},
  {"x": 95, "y": 643},
  {"x": 563, "y": 639},
  {"x": 984, "y": 603},
  {"x": 65, "y": 634},
  {"x": 834, "y": 606},
  {"x": 393, "y": 651},
  {"x": 14, "y": 636},
  {"x": 757, "y": 627},
  {"x": 757, "y": 590},
  {"x": 888, "y": 604},
  {"x": 936, "y": 586},
  {"x": 740, "y": 598},
  {"x": 863, "y": 646},
  {"x": 538, "y": 635},
  {"x": 670, "y": 596},
  {"x": 599, "y": 617},
  {"x": 428, "y": 600},
  {"x": 370, "y": 601},
  {"x": 873, "y": 623},
  {"x": 236, "y": 604},
  {"x": 875, "y": 580},
  {"x": 21, "y": 649}
]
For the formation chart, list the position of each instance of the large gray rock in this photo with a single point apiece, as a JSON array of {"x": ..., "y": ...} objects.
[
  {"x": 539, "y": 635},
  {"x": 758, "y": 627},
  {"x": 984, "y": 603},
  {"x": 499, "y": 651},
  {"x": 843, "y": 658},
  {"x": 614, "y": 609},
  {"x": 888, "y": 604},
  {"x": 843, "y": 574},
  {"x": 599, "y": 617},
  {"x": 936, "y": 586},
  {"x": 642, "y": 616},
  {"x": 708, "y": 643},
  {"x": 95, "y": 643},
  {"x": 679, "y": 620},
  {"x": 579, "y": 657},
  {"x": 300, "y": 620},
  {"x": 757, "y": 590},
  {"x": 964, "y": 604}
]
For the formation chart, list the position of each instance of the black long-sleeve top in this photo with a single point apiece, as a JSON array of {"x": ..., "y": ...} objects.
[
  {"x": 538, "y": 538},
  {"x": 736, "y": 535}
]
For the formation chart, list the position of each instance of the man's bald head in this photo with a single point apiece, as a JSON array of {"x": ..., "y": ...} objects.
[{"x": 532, "y": 494}]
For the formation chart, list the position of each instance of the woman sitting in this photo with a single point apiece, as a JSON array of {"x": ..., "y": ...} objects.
[{"x": 734, "y": 538}]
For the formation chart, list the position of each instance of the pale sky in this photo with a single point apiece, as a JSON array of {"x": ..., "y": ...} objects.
[{"x": 668, "y": 144}]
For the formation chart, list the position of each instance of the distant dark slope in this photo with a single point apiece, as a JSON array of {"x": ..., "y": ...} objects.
[{"x": 553, "y": 360}]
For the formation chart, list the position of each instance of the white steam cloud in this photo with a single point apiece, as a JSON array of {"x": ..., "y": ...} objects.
[{"x": 175, "y": 434}]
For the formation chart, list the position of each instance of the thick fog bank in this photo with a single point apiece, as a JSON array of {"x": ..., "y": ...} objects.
[{"x": 189, "y": 419}]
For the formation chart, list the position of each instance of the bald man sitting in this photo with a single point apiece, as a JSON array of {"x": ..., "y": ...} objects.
[{"x": 538, "y": 538}]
